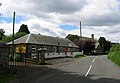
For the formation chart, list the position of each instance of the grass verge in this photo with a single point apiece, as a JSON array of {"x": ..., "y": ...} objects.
[
  {"x": 79, "y": 55},
  {"x": 115, "y": 57}
]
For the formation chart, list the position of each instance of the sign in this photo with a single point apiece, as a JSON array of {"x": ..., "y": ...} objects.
[{"x": 21, "y": 48}]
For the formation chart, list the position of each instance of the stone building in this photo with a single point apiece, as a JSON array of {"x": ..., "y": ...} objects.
[{"x": 54, "y": 46}]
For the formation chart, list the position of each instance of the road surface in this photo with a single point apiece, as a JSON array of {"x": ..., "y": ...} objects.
[{"x": 91, "y": 69}]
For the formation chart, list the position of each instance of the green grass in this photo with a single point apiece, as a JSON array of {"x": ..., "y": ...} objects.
[
  {"x": 79, "y": 55},
  {"x": 115, "y": 57}
]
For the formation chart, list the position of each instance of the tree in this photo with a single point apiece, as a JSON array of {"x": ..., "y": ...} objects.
[
  {"x": 24, "y": 28},
  {"x": 2, "y": 33},
  {"x": 108, "y": 46},
  {"x": 103, "y": 43},
  {"x": 88, "y": 47},
  {"x": 8, "y": 38}
]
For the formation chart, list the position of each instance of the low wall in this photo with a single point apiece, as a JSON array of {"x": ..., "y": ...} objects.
[
  {"x": 4, "y": 52},
  {"x": 56, "y": 55}
]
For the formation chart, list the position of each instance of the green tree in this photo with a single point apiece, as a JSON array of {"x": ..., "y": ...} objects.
[
  {"x": 18, "y": 35},
  {"x": 8, "y": 38},
  {"x": 2, "y": 33},
  {"x": 24, "y": 28}
]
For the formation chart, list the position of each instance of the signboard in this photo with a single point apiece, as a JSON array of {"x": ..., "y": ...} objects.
[{"x": 21, "y": 48}]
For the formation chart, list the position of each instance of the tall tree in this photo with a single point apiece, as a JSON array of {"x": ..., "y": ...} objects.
[
  {"x": 24, "y": 28},
  {"x": 2, "y": 33}
]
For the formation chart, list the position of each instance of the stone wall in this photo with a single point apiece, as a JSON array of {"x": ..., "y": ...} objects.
[{"x": 4, "y": 56}]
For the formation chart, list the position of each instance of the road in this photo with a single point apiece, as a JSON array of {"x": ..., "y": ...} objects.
[{"x": 91, "y": 69}]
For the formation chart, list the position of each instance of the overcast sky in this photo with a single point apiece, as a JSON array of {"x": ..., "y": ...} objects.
[{"x": 62, "y": 17}]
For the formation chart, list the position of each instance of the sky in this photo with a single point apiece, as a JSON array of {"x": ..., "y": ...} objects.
[{"x": 59, "y": 18}]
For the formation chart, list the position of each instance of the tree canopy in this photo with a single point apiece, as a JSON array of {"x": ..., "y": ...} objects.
[
  {"x": 24, "y": 28},
  {"x": 8, "y": 38}
]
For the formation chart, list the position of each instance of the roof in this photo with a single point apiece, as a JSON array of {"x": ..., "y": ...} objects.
[
  {"x": 83, "y": 38},
  {"x": 44, "y": 40}
]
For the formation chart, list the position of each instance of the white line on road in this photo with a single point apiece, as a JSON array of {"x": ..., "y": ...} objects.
[
  {"x": 88, "y": 71},
  {"x": 94, "y": 60},
  {"x": 90, "y": 67}
]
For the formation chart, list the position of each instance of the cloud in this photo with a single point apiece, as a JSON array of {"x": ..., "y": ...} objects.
[
  {"x": 44, "y": 27},
  {"x": 45, "y": 16},
  {"x": 8, "y": 27}
]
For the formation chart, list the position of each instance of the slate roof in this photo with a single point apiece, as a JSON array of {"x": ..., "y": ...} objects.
[
  {"x": 83, "y": 38},
  {"x": 44, "y": 40}
]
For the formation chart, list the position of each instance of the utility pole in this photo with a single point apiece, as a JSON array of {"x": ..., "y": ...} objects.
[
  {"x": 13, "y": 37},
  {"x": 80, "y": 39},
  {"x": 0, "y": 6}
]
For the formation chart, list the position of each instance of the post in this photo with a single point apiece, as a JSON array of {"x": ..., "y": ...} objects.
[
  {"x": 13, "y": 37},
  {"x": 0, "y": 6}
]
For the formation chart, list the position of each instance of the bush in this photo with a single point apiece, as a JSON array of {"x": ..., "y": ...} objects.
[
  {"x": 115, "y": 47},
  {"x": 114, "y": 54}
]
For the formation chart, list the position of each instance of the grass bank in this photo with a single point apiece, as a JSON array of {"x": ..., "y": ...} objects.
[
  {"x": 115, "y": 57},
  {"x": 114, "y": 54}
]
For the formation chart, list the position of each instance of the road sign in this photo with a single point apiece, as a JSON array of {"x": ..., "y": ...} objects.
[{"x": 21, "y": 48}]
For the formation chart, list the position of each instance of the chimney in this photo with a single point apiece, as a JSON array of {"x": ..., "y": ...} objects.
[{"x": 92, "y": 36}]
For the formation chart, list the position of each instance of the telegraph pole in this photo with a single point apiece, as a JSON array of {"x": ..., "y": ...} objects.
[
  {"x": 0, "y": 6},
  {"x": 80, "y": 39},
  {"x": 13, "y": 37}
]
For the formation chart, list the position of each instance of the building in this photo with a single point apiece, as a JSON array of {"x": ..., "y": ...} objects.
[
  {"x": 87, "y": 42},
  {"x": 53, "y": 46}
]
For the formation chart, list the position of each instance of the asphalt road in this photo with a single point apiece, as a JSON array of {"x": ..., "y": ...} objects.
[{"x": 91, "y": 69}]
